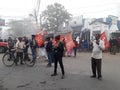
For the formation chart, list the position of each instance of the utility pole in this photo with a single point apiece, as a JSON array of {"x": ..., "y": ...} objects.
[{"x": 36, "y": 11}]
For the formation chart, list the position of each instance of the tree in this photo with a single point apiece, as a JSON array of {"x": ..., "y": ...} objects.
[{"x": 53, "y": 17}]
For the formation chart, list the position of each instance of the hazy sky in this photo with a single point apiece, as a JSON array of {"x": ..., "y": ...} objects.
[{"x": 87, "y": 8}]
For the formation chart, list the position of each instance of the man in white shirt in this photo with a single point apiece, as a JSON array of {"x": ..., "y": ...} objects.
[
  {"x": 98, "y": 47},
  {"x": 20, "y": 45}
]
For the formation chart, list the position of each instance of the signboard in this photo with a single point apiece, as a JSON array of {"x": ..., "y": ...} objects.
[
  {"x": 2, "y": 22},
  {"x": 114, "y": 19}
]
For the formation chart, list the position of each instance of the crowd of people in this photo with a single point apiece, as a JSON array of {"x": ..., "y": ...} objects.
[
  {"x": 53, "y": 51},
  {"x": 114, "y": 45}
]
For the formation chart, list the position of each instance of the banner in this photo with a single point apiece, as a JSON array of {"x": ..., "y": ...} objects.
[
  {"x": 39, "y": 39},
  {"x": 69, "y": 42},
  {"x": 104, "y": 38}
]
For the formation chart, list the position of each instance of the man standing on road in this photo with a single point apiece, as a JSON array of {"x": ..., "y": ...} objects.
[
  {"x": 58, "y": 54},
  {"x": 98, "y": 47},
  {"x": 20, "y": 45},
  {"x": 49, "y": 50},
  {"x": 33, "y": 46}
]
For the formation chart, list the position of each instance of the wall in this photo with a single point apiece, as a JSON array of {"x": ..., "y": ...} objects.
[{"x": 97, "y": 27}]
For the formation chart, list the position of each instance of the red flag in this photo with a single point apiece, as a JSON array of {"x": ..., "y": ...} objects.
[
  {"x": 61, "y": 39},
  {"x": 69, "y": 42},
  {"x": 39, "y": 39},
  {"x": 104, "y": 38},
  {"x": 54, "y": 41}
]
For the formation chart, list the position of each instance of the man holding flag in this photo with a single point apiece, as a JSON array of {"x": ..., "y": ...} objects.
[{"x": 98, "y": 47}]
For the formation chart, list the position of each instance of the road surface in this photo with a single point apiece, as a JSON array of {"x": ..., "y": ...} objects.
[{"x": 78, "y": 71}]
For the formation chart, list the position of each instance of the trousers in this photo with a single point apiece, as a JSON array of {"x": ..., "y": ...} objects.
[
  {"x": 57, "y": 59},
  {"x": 96, "y": 66}
]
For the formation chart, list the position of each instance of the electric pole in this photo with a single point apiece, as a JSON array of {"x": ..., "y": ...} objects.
[{"x": 36, "y": 11}]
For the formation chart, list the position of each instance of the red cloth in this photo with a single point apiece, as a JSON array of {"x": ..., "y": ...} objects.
[
  {"x": 54, "y": 42},
  {"x": 39, "y": 39},
  {"x": 104, "y": 38},
  {"x": 61, "y": 39},
  {"x": 4, "y": 44},
  {"x": 69, "y": 42},
  {"x": 76, "y": 43}
]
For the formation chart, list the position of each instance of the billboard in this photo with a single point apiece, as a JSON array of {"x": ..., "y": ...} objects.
[
  {"x": 2, "y": 22},
  {"x": 114, "y": 26},
  {"x": 114, "y": 19}
]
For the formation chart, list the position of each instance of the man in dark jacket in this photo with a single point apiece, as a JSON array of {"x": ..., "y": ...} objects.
[
  {"x": 58, "y": 53},
  {"x": 33, "y": 46},
  {"x": 26, "y": 41},
  {"x": 75, "y": 47},
  {"x": 49, "y": 50}
]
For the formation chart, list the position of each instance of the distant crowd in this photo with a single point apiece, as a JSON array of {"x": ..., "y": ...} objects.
[
  {"x": 114, "y": 45},
  {"x": 54, "y": 48},
  {"x": 23, "y": 45}
]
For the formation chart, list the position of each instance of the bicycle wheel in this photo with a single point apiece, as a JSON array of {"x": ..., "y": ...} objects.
[
  {"x": 7, "y": 60},
  {"x": 29, "y": 61}
]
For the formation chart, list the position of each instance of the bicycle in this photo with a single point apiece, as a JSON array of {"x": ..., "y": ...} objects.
[{"x": 9, "y": 58}]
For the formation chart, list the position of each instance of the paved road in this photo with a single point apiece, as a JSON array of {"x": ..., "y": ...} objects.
[{"x": 77, "y": 77}]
